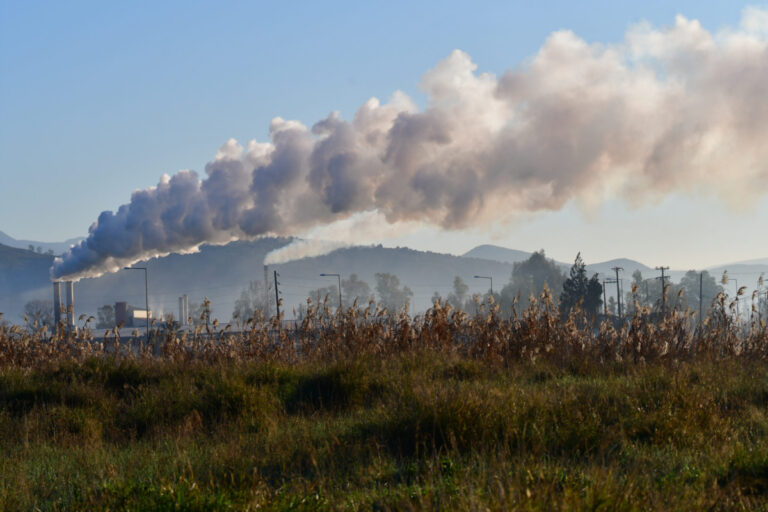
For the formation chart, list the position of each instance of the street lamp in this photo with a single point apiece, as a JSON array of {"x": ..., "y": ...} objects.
[
  {"x": 146, "y": 294},
  {"x": 486, "y": 277},
  {"x": 338, "y": 276}
]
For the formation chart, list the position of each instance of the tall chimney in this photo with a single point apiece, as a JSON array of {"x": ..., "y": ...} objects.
[
  {"x": 266, "y": 291},
  {"x": 69, "y": 291},
  {"x": 56, "y": 304},
  {"x": 183, "y": 310}
]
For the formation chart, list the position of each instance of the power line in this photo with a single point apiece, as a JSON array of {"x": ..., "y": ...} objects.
[{"x": 618, "y": 289}]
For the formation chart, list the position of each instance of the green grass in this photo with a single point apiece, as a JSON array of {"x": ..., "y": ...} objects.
[{"x": 423, "y": 430}]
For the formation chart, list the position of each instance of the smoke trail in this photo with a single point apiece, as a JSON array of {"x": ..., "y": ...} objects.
[
  {"x": 302, "y": 249},
  {"x": 676, "y": 109}
]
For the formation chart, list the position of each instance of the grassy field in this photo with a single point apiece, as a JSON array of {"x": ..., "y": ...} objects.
[{"x": 444, "y": 412}]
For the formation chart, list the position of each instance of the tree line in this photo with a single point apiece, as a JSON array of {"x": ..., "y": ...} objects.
[{"x": 528, "y": 280}]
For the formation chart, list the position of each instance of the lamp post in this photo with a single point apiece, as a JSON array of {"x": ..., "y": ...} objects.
[
  {"x": 146, "y": 294},
  {"x": 338, "y": 276},
  {"x": 486, "y": 277}
]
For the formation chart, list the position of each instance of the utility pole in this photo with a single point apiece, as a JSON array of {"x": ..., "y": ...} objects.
[
  {"x": 608, "y": 280},
  {"x": 277, "y": 299},
  {"x": 618, "y": 288},
  {"x": 663, "y": 290}
]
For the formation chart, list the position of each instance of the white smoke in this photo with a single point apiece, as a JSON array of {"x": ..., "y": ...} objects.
[
  {"x": 674, "y": 109},
  {"x": 298, "y": 249}
]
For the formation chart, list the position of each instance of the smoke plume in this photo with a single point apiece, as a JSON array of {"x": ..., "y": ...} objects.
[{"x": 676, "y": 109}]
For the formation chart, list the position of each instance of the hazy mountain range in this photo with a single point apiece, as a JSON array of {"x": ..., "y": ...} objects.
[
  {"x": 221, "y": 273},
  {"x": 56, "y": 247}
]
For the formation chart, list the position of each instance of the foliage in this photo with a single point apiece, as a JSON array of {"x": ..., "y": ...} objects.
[
  {"x": 710, "y": 290},
  {"x": 368, "y": 410},
  {"x": 459, "y": 298},
  {"x": 105, "y": 317},
  {"x": 391, "y": 295},
  {"x": 39, "y": 313},
  {"x": 580, "y": 291},
  {"x": 529, "y": 278},
  {"x": 251, "y": 299},
  {"x": 328, "y": 293},
  {"x": 355, "y": 290}
]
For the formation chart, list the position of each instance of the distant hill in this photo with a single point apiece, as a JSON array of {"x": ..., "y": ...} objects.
[
  {"x": 605, "y": 268},
  {"x": 505, "y": 255},
  {"x": 423, "y": 272},
  {"x": 755, "y": 262},
  {"x": 496, "y": 253},
  {"x": 221, "y": 273},
  {"x": 23, "y": 276},
  {"x": 56, "y": 247}
]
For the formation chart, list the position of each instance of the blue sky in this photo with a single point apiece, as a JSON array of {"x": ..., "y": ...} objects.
[{"x": 98, "y": 99}]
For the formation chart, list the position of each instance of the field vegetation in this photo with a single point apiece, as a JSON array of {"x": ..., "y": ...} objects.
[{"x": 367, "y": 409}]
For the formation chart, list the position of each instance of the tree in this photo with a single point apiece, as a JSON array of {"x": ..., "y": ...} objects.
[
  {"x": 391, "y": 295},
  {"x": 355, "y": 290},
  {"x": 580, "y": 290},
  {"x": 251, "y": 299},
  {"x": 710, "y": 289},
  {"x": 201, "y": 313},
  {"x": 40, "y": 312},
  {"x": 105, "y": 317},
  {"x": 332, "y": 292},
  {"x": 459, "y": 298},
  {"x": 529, "y": 278}
]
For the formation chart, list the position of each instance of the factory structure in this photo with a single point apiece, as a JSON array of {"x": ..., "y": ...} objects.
[
  {"x": 126, "y": 315},
  {"x": 59, "y": 307},
  {"x": 64, "y": 309}
]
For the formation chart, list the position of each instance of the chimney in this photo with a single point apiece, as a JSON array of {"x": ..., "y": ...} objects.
[
  {"x": 56, "y": 304},
  {"x": 183, "y": 310},
  {"x": 69, "y": 291}
]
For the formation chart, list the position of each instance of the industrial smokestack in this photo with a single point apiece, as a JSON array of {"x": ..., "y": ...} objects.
[
  {"x": 69, "y": 291},
  {"x": 183, "y": 310},
  {"x": 56, "y": 304}
]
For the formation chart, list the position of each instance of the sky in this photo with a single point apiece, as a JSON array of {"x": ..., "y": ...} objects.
[{"x": 98, "y": 99}]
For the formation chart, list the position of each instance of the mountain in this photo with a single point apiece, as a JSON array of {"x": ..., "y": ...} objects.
[
  {"x": 423, "y": 272},
  {"x": 221, "y": 273},
  {"x": 56, "y": 247},
  {"x": 758, "y": 262},
  {"x": 496, "y": 253},
  {"x": 504, "y": 255},
  {"x": 23, "y": 276},
  {"x": 605, "y": 268}
]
